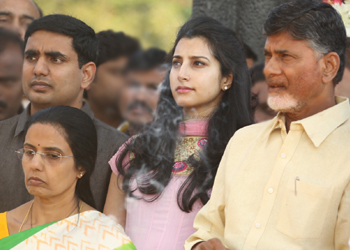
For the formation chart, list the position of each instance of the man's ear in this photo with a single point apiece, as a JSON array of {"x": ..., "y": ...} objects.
[
  {"x": 331, "y": 66},
  {"x": 88, "y": 70}
]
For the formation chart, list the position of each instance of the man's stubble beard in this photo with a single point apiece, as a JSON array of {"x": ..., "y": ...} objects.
[{"x": 285, "y": 103}]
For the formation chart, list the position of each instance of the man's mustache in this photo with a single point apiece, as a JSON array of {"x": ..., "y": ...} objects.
[
  {"x": 3, "y": 104},
  {"x": 140, "y": 104}
]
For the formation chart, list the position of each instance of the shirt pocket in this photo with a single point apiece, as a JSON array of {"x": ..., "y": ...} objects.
[{"x": 303, "y": 213}]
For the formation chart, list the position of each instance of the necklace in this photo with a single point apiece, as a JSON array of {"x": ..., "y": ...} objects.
[
  {"x": 31, "y": 213},
  {"x": 25, "y": 218},
  {"x": 79, "y": 208}
]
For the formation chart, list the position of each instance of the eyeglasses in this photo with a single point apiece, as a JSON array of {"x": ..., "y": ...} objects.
[{"x": 49, "y": 157}]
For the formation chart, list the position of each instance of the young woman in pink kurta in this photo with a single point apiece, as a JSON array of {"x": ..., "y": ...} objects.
[
  {"x": 145, "y": 218},
  {"x": 161, "y": 178}
]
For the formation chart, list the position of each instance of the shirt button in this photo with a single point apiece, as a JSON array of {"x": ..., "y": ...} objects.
[
  {"x": 270, "y": 190},
  {"x": 257, "y": 225},
  {"x": 283, "y": 155}
]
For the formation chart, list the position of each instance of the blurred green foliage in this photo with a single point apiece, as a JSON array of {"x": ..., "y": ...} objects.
[{"x": 154, "y": 22}]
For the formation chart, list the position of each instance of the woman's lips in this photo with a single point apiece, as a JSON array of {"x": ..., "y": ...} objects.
[
  {"x": 35, "y": 181},
  {"x": 183, "y": 90}
]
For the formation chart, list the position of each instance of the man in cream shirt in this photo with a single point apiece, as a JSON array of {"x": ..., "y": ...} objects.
[{"x": 285, "y": 183}]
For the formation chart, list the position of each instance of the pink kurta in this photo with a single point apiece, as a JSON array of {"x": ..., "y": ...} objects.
[{"x": 161, "y": 225}]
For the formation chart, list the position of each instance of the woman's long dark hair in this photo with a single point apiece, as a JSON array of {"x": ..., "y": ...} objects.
[
  {"x": 154, "y": 150},
  {"x": 80, "y": 133}
]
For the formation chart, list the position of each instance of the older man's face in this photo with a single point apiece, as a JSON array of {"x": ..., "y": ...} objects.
[
  {"x": 294, "y": 74},
  {"x": 16, "y": 15}
]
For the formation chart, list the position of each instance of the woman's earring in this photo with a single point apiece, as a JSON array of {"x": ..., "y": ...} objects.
[
  {"x": 81, "y": 175},
  {"x": 225, "y": 87}
]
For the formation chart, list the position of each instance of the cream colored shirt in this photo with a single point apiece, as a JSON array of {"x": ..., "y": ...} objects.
[{"x": 278, "y": 190}]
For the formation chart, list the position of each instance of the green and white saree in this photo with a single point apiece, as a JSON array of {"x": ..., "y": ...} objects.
[{"x": 88, "y": 230}]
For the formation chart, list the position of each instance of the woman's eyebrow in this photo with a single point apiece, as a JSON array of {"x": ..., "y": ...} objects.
[
  {"x": 193, "y": 57},
  {"x": 28, "y": 144},
  {"x": 53, "y": 149},
  {"x": 200, "y": 57}
]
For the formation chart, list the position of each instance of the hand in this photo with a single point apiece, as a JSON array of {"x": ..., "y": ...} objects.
[{"x": 213, "y": 244}]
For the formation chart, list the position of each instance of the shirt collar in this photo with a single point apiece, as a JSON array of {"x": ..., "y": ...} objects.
[
  {"x": 320, "y": 125},
  {"x": 22, "y": 120},
  {"x": 278, "y": 122},
  {"x": 25, "y": 115}
]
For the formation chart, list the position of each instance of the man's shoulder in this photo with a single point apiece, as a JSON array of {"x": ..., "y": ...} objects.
[
  {"x": 109, "y": 134},
  {"x": 9, "y": 140},
  {"x": 250, "y": 134},
  {"x": 254, "y": 130},
  {"x": 9, "y": 123}
]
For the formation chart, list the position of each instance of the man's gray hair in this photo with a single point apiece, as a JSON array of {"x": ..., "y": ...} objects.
[{"x": 311, "y": 20}]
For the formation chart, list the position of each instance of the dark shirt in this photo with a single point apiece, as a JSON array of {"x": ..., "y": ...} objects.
[{"x": 13, "y": 192}]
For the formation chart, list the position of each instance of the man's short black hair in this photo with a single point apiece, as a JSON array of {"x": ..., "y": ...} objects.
[
  {"x": 113, "y": 45},
  {"x": 84, "y": 38},
  {"x": 249, "y": 53},
  {"x": 347, "y": 52},
  {"x": 7, "y": 38},
  {"x": 146, "y": 60},
  {"x": 311, "y": 20}
]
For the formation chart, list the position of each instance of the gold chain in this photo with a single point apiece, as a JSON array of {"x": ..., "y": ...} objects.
[
  {"x": 30, "y": 209},
  {"x": 25, "y": 218}
]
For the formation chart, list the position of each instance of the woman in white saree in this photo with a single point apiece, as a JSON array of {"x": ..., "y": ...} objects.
[{"x": 58, "y": 157}]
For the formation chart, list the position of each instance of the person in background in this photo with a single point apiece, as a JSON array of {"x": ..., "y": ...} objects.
[
  {"x": 285, "y": 183},
  {"x": 262, "y": 111},
  {"x": 138, "y": 100},
  {"x": 170, "y": 168},
  {"x": 11, "y": 63},
  {"x": 103, "y": 94},
  {"x": 60, "y": 54},
  {"x": 251, "y": 57},
  {"x": 16, "y": 15},
  {"x": 58, "y": 160}
]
